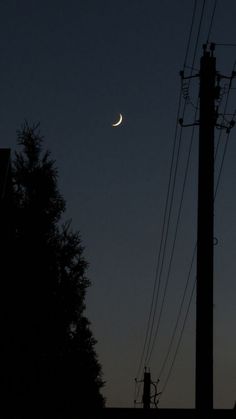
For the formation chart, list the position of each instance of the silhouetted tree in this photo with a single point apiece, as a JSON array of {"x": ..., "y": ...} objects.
[{"x": 54, "y": 364}]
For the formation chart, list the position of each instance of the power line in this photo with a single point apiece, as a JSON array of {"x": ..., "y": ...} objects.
[
  {"x": 225, "y": 45},
  {"x": 147, "y": 359},
  {"x": 178, "y": 316},
  {"x": 174, "y": 241},
  {"x": 163, "y": 256},
  {"x": 156, "y": 289},
  {"x": 211, "y": 23},
  {"x": 183, "y": 189},
  {"x": 198, "y": 33},
  {"x": 190, "y": 32},
  {"x": 178, "y": 218},
  {"x": 152, "y": 312},
  {"x": 179, "y": 341},
  {"x": 162, "y": 238}
]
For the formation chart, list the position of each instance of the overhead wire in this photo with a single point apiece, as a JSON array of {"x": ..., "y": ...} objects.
[
  {"x": 191, "y": 264},
  {"x": 225, "y": 45},
  {"x": 190, "y": 32},
  {"x": 179, "y": 340},
  {"x": 167, "y": 196},
  {"x": 169, "y": 182},
  {"x": 156, "y": 288},
  {"x": 198, "y": 35},
  {"x": 180, "y": 310},
  {"x": 185, "y": 290},
  {"x": 149, "y": 352},
  {"x": 162, "y": 238},
  {"x": 173, "y": 187},
  {"x": 178, "y": 317},
  {"x": 181, "y": 305},
  {"x": 152, "y": 312},
  {"x": 147, "y": 359},
  {"x": 175, "y": 238},
  {"x": 211, "y": 22}
]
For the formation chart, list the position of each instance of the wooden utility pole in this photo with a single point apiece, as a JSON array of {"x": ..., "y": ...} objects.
[
  {"x": 147, "y": 390},
  {"x": 205, "y": 234}
]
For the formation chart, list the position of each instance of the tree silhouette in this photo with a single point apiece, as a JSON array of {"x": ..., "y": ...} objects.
[{"x": 54, "y": 366}]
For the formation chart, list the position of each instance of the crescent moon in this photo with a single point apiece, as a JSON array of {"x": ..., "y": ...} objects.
[{"x": 118, "y": 122}]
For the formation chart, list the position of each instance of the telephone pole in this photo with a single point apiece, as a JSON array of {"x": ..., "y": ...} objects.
[
  {"x": 205, "y": 233},
  {"x": 147, "y": 390}
]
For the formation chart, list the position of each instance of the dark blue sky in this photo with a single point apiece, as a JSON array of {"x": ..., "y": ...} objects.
[{"x": 74, "y": 66}]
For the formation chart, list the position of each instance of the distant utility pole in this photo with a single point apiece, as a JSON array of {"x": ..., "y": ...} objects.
[
  {"x": 205, "y": 233},
  {"x": 147, "y": 390},
  {"x": 150, "y": 394}
]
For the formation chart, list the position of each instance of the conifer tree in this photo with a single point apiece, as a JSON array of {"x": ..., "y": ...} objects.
[{"x": 55, "y": 364}]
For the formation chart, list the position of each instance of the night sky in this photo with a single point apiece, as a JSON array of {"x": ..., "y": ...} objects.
[{"x": 74, "y": 66}]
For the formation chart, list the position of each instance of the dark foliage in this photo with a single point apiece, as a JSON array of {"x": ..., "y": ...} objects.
[{"x": 54, "y": 366}]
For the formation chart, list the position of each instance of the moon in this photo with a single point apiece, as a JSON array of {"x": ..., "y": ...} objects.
[{"x": 118, "y": 122}]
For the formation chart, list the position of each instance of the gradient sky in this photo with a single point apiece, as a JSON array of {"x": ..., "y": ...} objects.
[{"x": 73, "y": 66}]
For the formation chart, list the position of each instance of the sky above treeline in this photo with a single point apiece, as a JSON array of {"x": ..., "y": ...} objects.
[{"x": 74, "y": 66}]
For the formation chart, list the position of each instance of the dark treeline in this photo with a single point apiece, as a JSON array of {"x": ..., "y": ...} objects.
[{"x": 49, "y": 363}]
